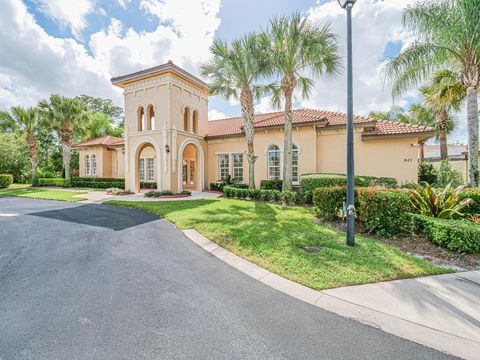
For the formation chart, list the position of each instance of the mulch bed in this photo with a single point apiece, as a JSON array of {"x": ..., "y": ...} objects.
[
  {"x": 168, "y": 196},
  {"x": 423, "y": 248}
]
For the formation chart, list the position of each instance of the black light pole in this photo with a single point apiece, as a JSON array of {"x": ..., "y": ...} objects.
[{"x": 348, "y": 5}]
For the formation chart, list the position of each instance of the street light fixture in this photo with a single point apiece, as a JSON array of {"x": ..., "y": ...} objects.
[{"x": 348, "y": 4}]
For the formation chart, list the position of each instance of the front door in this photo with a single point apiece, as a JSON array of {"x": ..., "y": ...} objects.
[{"x": 188, "y": 174}]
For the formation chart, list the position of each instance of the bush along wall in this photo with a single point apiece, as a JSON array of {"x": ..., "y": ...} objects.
[
  {"x": 5, "y": 180},
  {"x": 309, "y": 182},
  {"x": 328, "y": 201},
  {"x": 100, "y": 183},
  {"x": 61, "y": 182},
  {"x": 290, "y": 197},
  {"x": 455, "y": 235},
  {"x": 271, "y": 185}
]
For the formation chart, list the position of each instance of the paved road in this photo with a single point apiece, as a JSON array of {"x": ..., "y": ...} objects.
[{"x": 98, "y": 282}]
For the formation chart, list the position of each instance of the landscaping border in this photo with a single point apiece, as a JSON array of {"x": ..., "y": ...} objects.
[{"x": 436, "y": 339}]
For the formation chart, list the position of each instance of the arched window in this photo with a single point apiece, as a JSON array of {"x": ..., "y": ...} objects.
[
  {"x": 94, "y": 165},
  {"x": 87, "y": 165},
  {"x": 195, "y": 122},
  {"x": 150, "y": 118},
  {"x": 140, "y": 119},
  {"x": 294, "y": 163},
  {"x": 186, "y": 119},
  {"x": 273, "y": 154}
]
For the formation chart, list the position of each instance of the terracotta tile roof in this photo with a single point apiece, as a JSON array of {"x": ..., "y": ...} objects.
[
  {"x": 454, "y": 151},
  {"x": 234, "y": 126},
  {"x": 104, "y": 140},
  {"x": 387, "y": 127}
]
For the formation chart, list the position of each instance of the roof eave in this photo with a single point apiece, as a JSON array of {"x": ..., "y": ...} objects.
[{"x": 425, "y": 135}]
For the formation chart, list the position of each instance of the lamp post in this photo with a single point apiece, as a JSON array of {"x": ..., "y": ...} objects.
[{"x": 348, "y": 5}]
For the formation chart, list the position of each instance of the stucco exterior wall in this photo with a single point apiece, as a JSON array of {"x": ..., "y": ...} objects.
[
  {"x": 107, "y": 160},
  {"x": 392, "y": 157}
]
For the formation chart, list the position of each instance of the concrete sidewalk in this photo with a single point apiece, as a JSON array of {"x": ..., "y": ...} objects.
[{"x": 441, "y": 312}]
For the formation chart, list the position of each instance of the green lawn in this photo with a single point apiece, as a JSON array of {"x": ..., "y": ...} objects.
[
  {"x": 47, "y": 194},
  {"x": 272, "y": 236},
  {"x": 18, "y": 186}
]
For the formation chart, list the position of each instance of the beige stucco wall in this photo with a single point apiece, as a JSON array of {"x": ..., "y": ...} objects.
[
  {"x": 107, "y": 161},
  {"x": 460, "y": 165},
  {"x": 392, "y": 157}
]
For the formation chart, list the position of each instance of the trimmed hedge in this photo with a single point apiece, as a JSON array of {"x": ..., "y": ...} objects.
[
  {"x": 380, "y": 211},
  {"x": 291, "y": 197},
  {"x": 94, "y": 179},
  {"x": 53, "y": 182},
  {"x": 6, "y": 180},
  {"x": 100, "y": 183},
  {"x": 148, "y": 185},
  {"x": 271, "y": 185},
  {"x": 309, "y": 182},
  {"x": 328, "y": 201},
  {"x": 473, "y": 194},
  {"x": 383, "y": 212},
  {"x": 455, "y": 235}
]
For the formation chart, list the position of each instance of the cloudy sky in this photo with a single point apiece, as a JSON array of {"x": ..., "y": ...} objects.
[{"x": 74, "y": 47}]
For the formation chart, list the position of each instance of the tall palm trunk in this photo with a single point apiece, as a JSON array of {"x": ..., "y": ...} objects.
[
  {"x": 422, "y": 151},
  {"x": 442, "y": 118},
  {"x": 472, "y": 120},
  {"x": 33, "y": 147},
  {"x": 246, "y": 102},
  {"x": 66, "y": 140},
  {"x": 288, "y": 85}
]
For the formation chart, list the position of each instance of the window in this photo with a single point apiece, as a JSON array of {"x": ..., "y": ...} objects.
[
  {"x": 94, "y": 165},
  {"x": 150, "y": 118},
  {"x": 295, "y": 163},
  {"x": 224, "y": 164},
  {"x": 140, "y": 119},
  {"x": 195, "y": 122},
  {"x": 184, "y": 171},
  {"x": 151, "y": 169},
  {"x": 192, "y": 172},
  {"x": 142, "y": 169},
  {"x": 87, "y": 164},
  {"x": 238, "y": 166},
  {"x": 273, "y": 154},
  {"x": 186, "y": 119}
]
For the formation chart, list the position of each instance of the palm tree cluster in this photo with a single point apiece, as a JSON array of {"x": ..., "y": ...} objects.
[
  {"x": 446, "y": 55},
  {"x": 276, "y": 62},
  {"x": 69, "y": 119}
]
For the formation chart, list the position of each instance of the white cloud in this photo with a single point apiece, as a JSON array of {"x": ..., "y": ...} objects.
[
  {"x": 375, "y": 24},
  {"x": 214, "y": 114},
  {"x": 69, "y": 13},
  {"x": 123, "y": 3},
  {"x": 34, "y": 64},
  {"x": 264, "y": 106}
]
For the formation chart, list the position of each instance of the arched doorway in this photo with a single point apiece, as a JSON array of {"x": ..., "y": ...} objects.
[
  {"x": 191, "y": 166},
  {"x": 145, "y": 159}
]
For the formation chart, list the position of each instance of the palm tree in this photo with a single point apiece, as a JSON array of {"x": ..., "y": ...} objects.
[
  {"x": 443, "y": 95},
  {"x": 25, "y": 123},
  {"x": 296, "y": 46},
  {"x": 447, "y": 37},
  {"x": 67, "y": 117},
  {"x": 233, "y": 72}
]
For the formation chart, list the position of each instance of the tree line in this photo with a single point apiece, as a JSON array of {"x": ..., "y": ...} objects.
[{"x": 44, "y": 134}]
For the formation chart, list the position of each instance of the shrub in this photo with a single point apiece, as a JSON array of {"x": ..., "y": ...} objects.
[
  {"x": 6, "y": 180},
  {"x": 115, "y": 191},
  {"x": 271, "y": 185},
  {"x": 219, "y": 185},
  {"x": 427, "y": 173},
  {"x": 448, "y": 175},
  {"x": 265, "y": 195},
  {"x": 328, "y": 201},
  {"x": 186, "y": 192},
  {"x": 157, "y": 193},
  {"x": 309, "y": 182},
  {"x": 148, "y": 185},
  {"x": 383, "y": 212},
  {"x": 101, "y": 183},
  {"x": 444, "y": 205},
  {"x": 474, "y": 194},
  {"x": 96, "y": 179},
  {"x": 53, "y": 182},
  {"x": 455, "y": 235}
]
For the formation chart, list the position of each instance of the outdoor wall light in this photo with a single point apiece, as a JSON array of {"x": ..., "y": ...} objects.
[
  {"x": 345, "y": 3},
  {"x": 123, "y": 150},
  {"x": 167, "y": 148}
]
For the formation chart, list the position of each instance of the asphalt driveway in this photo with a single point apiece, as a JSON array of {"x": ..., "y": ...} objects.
[{"x": 85, "y": 281}]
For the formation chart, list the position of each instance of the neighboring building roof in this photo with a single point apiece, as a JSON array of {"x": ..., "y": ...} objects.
[
  {"x": 169, "y": 67},
  {"x": 234, "y": 126},
  {"x": 432, "y": 152},
  {"x": 102, "y": 141}
]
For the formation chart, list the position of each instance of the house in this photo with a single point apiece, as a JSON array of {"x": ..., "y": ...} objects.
[{"x": 169, "y": 139}]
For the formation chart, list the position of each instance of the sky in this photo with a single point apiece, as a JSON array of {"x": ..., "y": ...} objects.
[{"x": 74, "y": 47}]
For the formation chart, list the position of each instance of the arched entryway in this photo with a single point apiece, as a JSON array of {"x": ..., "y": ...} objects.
[
  {"x": 191, "y": 166},
  {"x": 146, "y": 164}
]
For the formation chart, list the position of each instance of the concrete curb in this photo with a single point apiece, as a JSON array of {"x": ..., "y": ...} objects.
[{"x": 421, "y": 334}]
